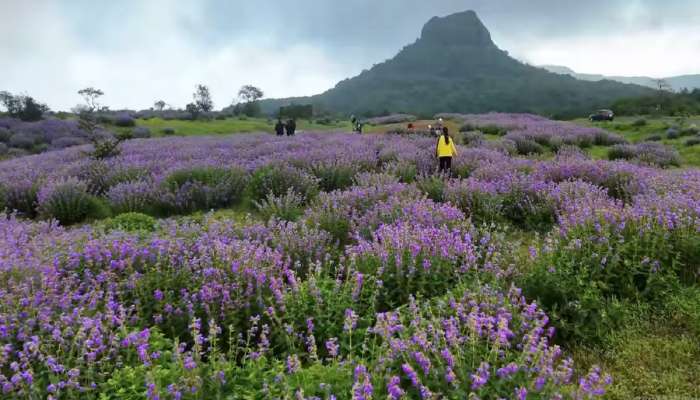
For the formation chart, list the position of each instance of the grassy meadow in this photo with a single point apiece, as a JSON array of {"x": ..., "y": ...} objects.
[
  {"x": 640, "y": 129},
  {"x": 230, "y": 126}
]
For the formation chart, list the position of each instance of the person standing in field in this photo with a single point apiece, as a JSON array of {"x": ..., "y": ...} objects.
[
  {"x": 279, "y": 127},
  {"x": 445, "y": 150},
  {"x": 291, "y": 127}
]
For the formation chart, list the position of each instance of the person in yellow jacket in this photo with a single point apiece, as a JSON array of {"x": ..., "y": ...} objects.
[{"x": 445, "y": 150}]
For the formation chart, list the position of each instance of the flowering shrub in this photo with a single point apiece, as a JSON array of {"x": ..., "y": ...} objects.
[
  {"x": 279, "y": 178},
  {"x": 124, "y": 121},
  {"x": 407, "y": 260},
  {"x": 334, "y": 176},
  {"x": 648, "y": 153},
  {"x": 391, "y": 119},
  {"x": 5, "y": 135},
  {"x": 141, "y": 132},
  {"x": 135, "y": 196},
  {"x": 288, "y": 207},
  {"x": 204, "y": 188},
  {"x": 583, "y": 276},
  {"x": 480, "y": 342},
  {"x": 302, "y": 244},
  {"x": 433, "y": 186},
  {"x": 335, "y": 212},
  {"x": 22, "y": 141},
  {"x": 67, "y": 201}
]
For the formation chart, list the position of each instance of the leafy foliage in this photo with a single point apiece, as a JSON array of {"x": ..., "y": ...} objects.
[
  {"x": 68, "y": 202},
  {"x": 204, "y": 188},
  {"x": 132, "y": 222},
  {"x": 278, "y": 179},
  {"x": 288, "y": 207},
  {"x": 23, "y": 107}
]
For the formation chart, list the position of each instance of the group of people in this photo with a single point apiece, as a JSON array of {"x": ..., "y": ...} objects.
[
  {"x": 357, "y": 125},
  {"x": 288, "y": 127},
  {"x": 436, "y": 130},
  {"x": 445, "y": 149}
]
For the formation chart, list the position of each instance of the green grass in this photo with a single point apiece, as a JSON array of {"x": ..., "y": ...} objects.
[
  {"x": 625, "y": 126},
  {"x": 656, "y": 354},
  {"x": 228, "y": 126}
]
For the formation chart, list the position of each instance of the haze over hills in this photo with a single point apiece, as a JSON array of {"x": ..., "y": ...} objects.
[
  {"x": 456, "y": 67},
  {"x": 677, "y": 82}
]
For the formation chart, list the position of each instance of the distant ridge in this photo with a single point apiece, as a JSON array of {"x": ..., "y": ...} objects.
[
  {"x": 456, "y": 67},
  {"x": 680, "y": 82}
]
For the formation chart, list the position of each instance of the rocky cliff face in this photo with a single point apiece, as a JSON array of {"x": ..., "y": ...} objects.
[{"x": 461, "y": 29}]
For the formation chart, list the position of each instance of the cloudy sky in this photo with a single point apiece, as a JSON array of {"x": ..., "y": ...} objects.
[{"x": 139, "y": 51}]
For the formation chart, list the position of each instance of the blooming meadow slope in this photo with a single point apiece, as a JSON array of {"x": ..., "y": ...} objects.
[{"x": 389, "y": 281}]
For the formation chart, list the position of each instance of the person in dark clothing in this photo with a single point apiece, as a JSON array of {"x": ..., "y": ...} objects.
[
  {"x": 358, "y": 127},
  {"x": 279, "y": 128},
  {"x": 291, "y": 127}
]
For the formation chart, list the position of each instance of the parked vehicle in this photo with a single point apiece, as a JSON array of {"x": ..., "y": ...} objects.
[{"x": 602, "y": 115}]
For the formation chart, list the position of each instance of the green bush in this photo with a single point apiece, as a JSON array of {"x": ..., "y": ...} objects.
[
  {"x": 639, "y": 123},
  {"x": 3, "y": 198},
  {"x": 334, "y": 176},
  {"x": 433, "y": 186},
  {"x": 5, "y": 135},
  {"x": 493, "y": 130},
  {"x": 124, "y": 121},
  {"x": 691, "y": 131},
  {"x": 481, "y": 207},
  {"x": 692, "y": 142},
  {"x": 288, "y": 207},
  {"x": 586, "y": 279},
  {"x": 205, "y": 188},
  {"x": 168, "y": 131},
  {"x": 529, "y": 210},
  {"x": 100, "y": 177},
  {"x": 406, "y": 171},
  {"x": 132, "y": 222},
  {"x": 22, "y": 197},
  {"x": 68, "y": 202},
  {"x": 278, "y": 179},
  {"x": 527, "y": 147},
  {"x": 620, "y": 186},
  {"x": 327, "y": 300}
]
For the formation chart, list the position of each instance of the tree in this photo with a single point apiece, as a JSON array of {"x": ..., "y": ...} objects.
[
  {"x": 663, "y": 85},
  {"x": 202, "y": 99},
  {"x": 250, "y": 96},
  {"x": 90, "y": 95},
  {"x": 159, "y": 105},
  {"x": 23, "y": 107},
  {"x": 664, "y": 90},
  {"x": 103, "y": 147},
  {"x": 193, "y": 109}
]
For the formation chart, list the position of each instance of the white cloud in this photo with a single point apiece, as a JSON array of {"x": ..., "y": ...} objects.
[
  {"x": 154, "y": 59},
  {"x": 139, "y": 51},
  {"x": 655, "y": 53}
]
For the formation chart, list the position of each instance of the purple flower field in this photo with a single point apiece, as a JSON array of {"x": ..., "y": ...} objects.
[
  {"x": 517, "y": 127},
  {"x": 381, "y": 279}
]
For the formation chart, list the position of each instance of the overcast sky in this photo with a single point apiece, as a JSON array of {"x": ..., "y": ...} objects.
[{"x": 139, "y": 51}]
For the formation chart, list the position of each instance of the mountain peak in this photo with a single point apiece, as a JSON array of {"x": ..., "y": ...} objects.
[{"x": 460, "y": 29}]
